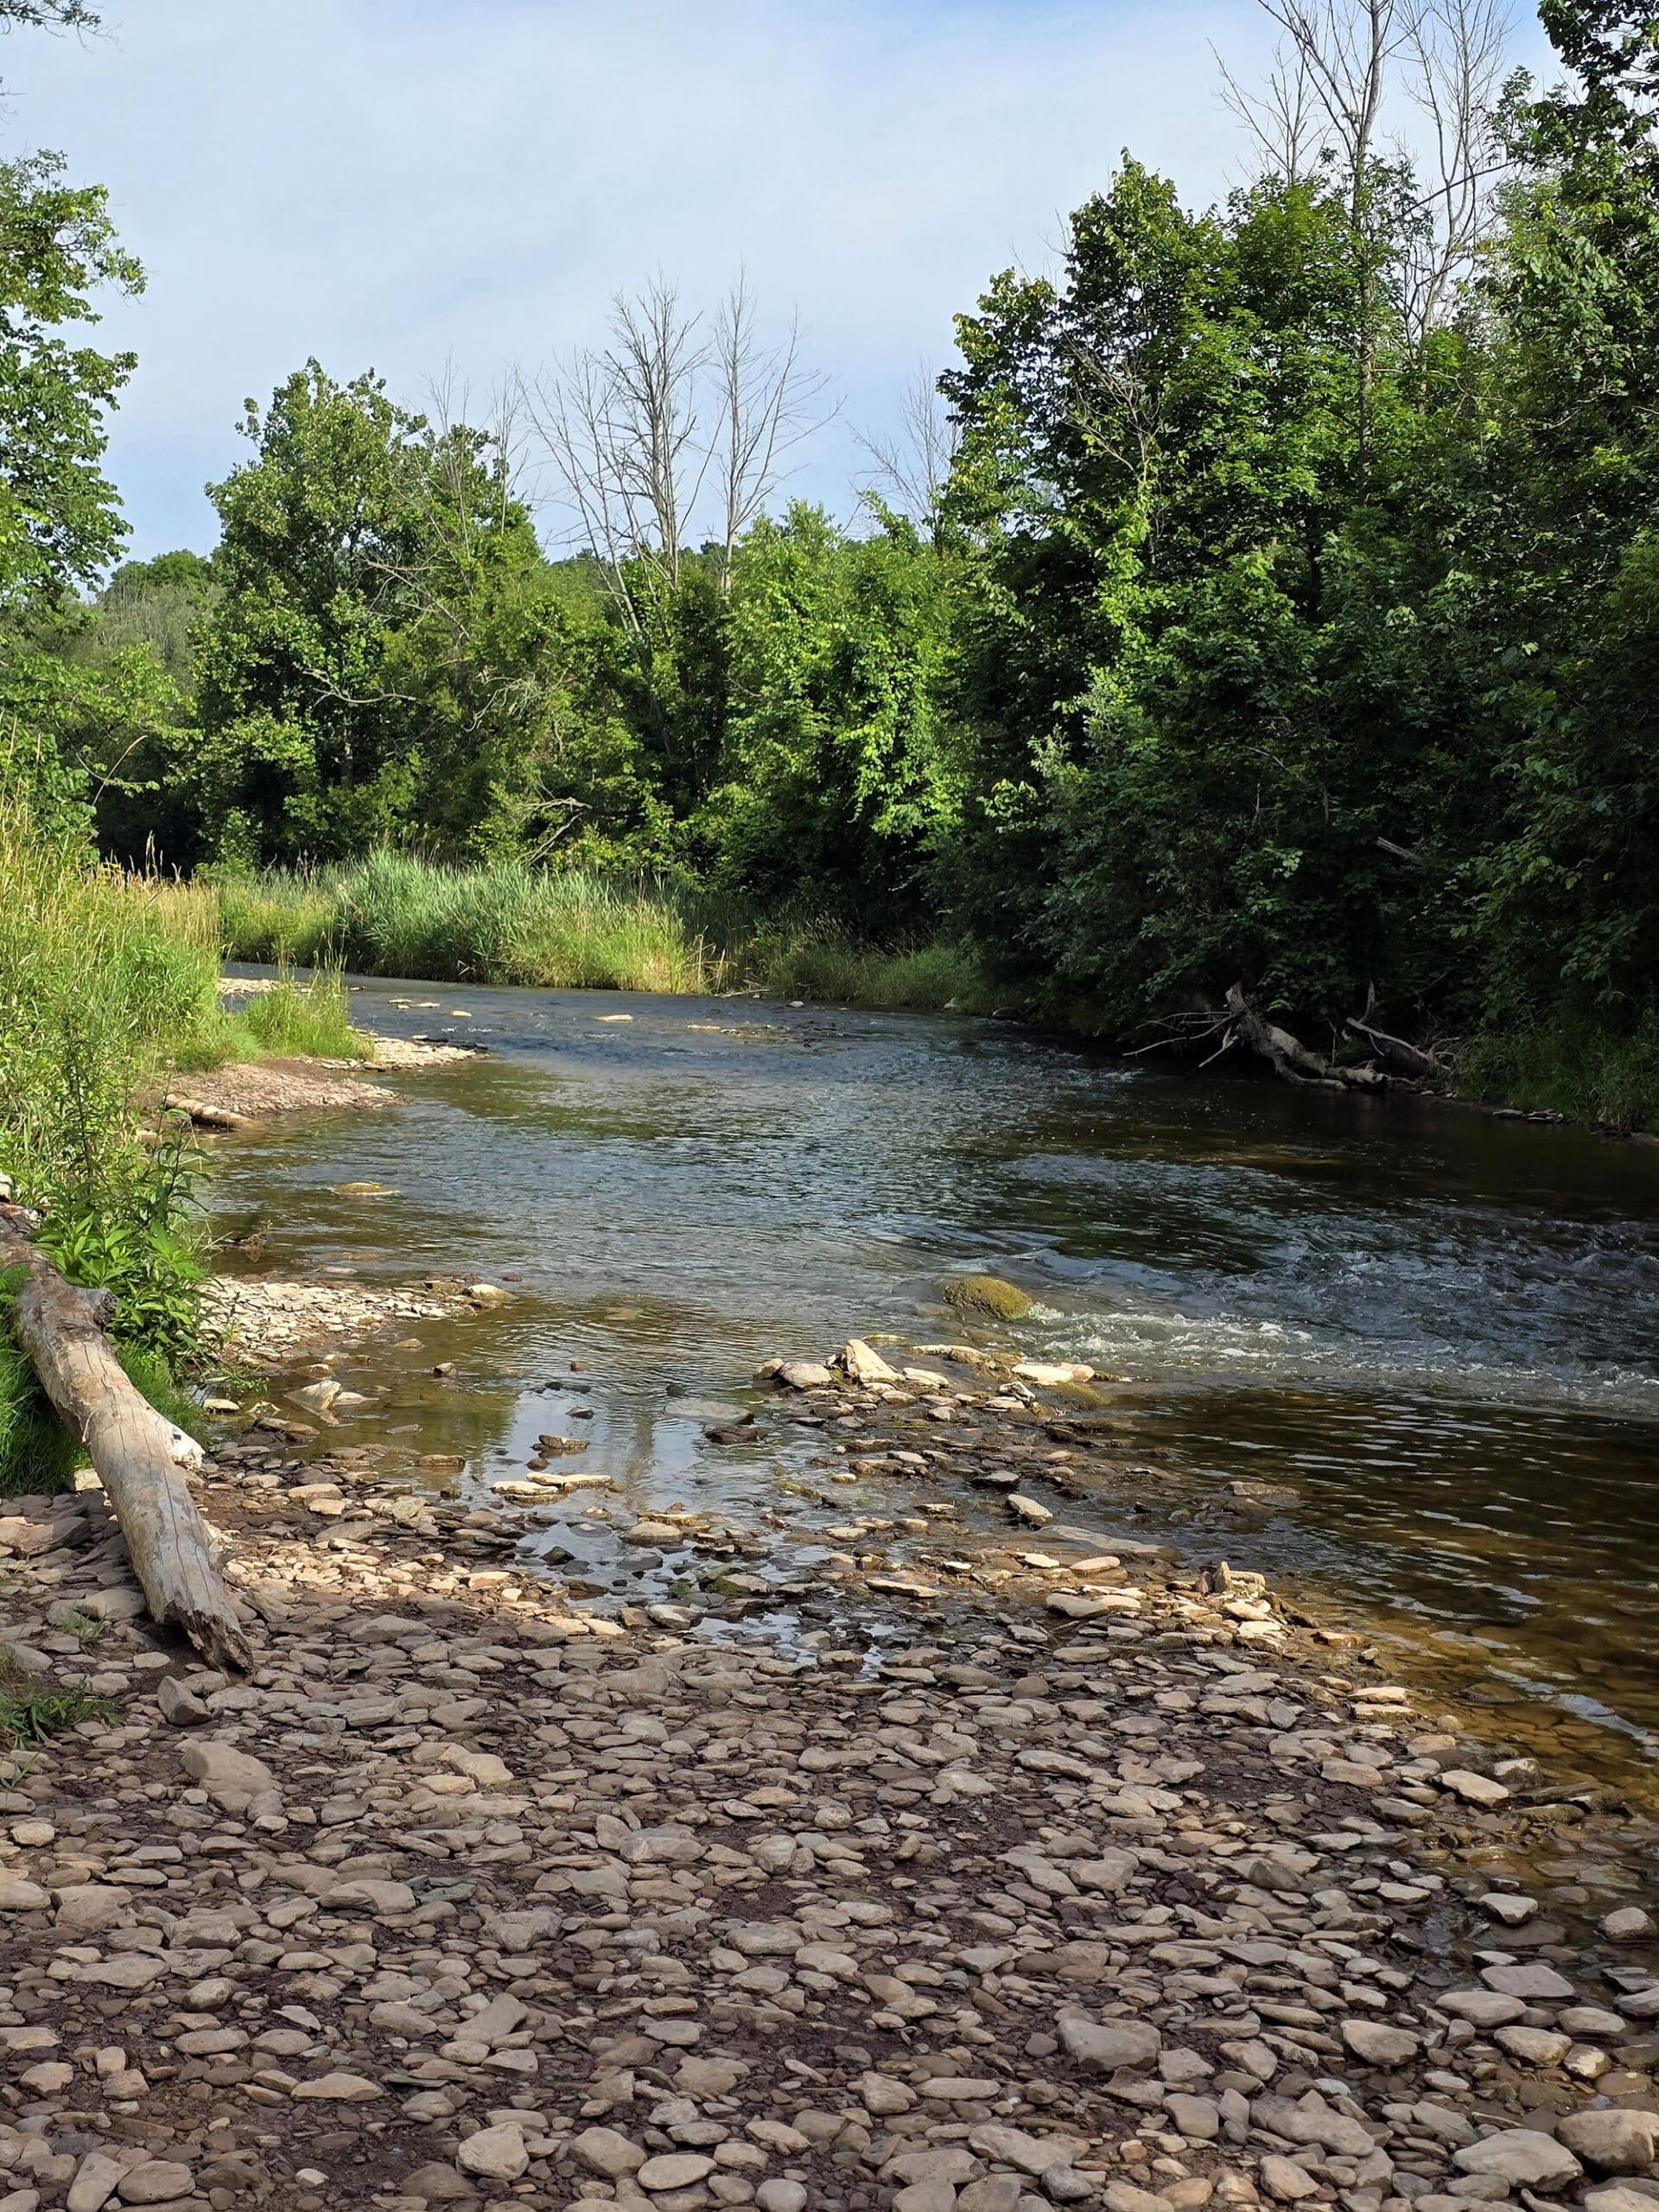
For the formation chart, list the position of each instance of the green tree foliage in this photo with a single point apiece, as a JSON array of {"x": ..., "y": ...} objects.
[
  {"x": 391, "y": 660},
  {"x": 58, "y": 521},
  {"x": 838, "y": 775},
  {"x": 1208, "y": 567},
  {"x": 1572, "y": 887},
  {"x": 1286, "y": 617}
]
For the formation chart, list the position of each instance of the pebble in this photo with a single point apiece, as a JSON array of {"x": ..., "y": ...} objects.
[{"x": 1025, "y": 1905}]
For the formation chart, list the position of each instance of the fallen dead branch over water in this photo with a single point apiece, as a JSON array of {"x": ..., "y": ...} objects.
[{"x": 1236, "y": 1022}]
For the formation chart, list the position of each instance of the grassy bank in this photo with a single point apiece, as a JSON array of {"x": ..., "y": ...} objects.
[
  {"x": 570, "y": 930},
  {"x": 1570, "y": 1065},
  {"x": 107, "y": 981}
]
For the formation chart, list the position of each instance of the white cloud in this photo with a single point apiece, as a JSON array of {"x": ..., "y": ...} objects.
[{"x": 394, "y": 183}]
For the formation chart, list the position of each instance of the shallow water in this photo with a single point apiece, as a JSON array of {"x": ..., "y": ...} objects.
[{"x": 1440, "y": 1330}]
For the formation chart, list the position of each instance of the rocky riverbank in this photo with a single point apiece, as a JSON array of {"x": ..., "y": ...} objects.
[
  {"x": 1038, "y": 1882},
  {"x": 256, "y": 1091}
]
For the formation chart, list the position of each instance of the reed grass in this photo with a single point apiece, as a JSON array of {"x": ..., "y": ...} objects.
[{"x": 394, "y": 914}]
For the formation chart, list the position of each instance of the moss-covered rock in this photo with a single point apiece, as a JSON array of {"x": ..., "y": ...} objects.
[{"x": 1003, "y": 1301}]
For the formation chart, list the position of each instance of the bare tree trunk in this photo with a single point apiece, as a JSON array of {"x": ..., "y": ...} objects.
[
  {"x": 138, "y": 1454},
  {"x": 911, "y": 464},
  {"x": 1289, "y": 1057},
  {"x": 1411, "y": 1060},
  {"x": 768, "y": 403}
]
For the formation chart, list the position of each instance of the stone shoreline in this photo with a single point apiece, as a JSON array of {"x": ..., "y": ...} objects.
[{"x": 1015, "y": 1883}]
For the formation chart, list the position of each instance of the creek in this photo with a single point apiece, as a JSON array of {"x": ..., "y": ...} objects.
[{"x": 1432, "y": 1331}]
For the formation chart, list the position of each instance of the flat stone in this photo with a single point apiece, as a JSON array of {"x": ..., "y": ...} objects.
[
  {"x": 1627, "y": 1925},
  {"x": 88, "y": 1907},
  {"x": 231, "y": 1778},
  {"x": 1196, "y": 2118},
  {"x": 998, "y": 2193},
  {"x": 155, "y": 2182},
  {"x": 1537, "y": 2046},
  {"x": 1616, "y": 2197},
  {"x": 180, "y": 1708},
  {"x": 48, "y": 2078},
  {"x": 1474, "y": 1788},
  {"x": 674, "y": 2170},
  {"x": 1611, "y": 2142},
  {"x": 1509, "y": 1906},
  {"x": 1520, "y": 2157},
  {"x": 1484, "y": 2008},
  {"x": 865, "y": 1365},
  {"x": 961, "y": 2088},
  {"x": 94, "y": 2182},
  {"x": 947, "y": 2163},
  {"x": 1379, "y": 2044},
  {"x": 883, "y": 2097},
  {"x": 1109, "y": 2045},
  {"x": 779, "y": 2195},
  {"x": 760, "y": 1939},
  {"x": 1594, "y": 2021},
  {"x": 1012, "y": 2146},
  {"x": 435, "y": 2184},
  {"x": 337, "y": 2088},
  {"x": 926, "y": 2197},
  {"x": 132, "y": 1970},
  {"x": 607, "y": 2152},
  {"x": 1285, "y": 2180},
  {"x": 494, "y": 2154},
  {"x": 709, "y": 2077},
  {"x": 1532, "y": 1980}
]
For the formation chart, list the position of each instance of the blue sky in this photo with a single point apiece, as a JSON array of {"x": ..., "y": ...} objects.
[{"x": 395, "y": 184}]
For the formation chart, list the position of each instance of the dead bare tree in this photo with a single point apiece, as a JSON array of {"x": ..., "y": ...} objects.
[
  {"x": 1457, "y": 57},
  {"x": 911, "y": 464},
  {"x": 636, "y": 433},
  {"x": 1282, "y": 118},
  {"x": 1346, "y": 48},
  {"x": 1343, "y": 67},
  {"x": 769, "y": 404},
  {"x": 618, "y": 426}
]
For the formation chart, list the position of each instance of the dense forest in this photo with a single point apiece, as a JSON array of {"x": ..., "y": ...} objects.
[{"x": 1265, "y": 601}]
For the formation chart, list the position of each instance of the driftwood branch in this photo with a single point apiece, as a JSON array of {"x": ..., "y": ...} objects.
[
  {"x": 205, "y": 1116},
  {"x": 139, "y": 1456},
  {"x": 1289, "y": 1057},
  {"x": 1410, "y": 1059}
]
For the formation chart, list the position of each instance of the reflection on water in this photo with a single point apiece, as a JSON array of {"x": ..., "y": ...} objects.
[{"x": 1436, "y": 1328}]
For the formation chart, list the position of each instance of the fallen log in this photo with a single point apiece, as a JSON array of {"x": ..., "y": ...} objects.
[
  {"x": 1411, "y": 1060},
  {"x": 205, "y": 1116},
  {"x": 1289, "y": 1057},
  {"x": 139, "y": 1456}
]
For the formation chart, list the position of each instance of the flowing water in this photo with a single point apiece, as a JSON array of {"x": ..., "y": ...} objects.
[{"x": 1437, "y": 1330}]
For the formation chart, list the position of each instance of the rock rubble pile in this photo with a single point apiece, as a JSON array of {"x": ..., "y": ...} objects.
[{"x": 469, "y": 1896}]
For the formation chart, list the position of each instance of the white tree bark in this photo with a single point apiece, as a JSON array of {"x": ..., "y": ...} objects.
[{"x": 138, "y": 1455}]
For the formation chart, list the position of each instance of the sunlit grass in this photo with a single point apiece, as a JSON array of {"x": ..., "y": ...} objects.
[{"x": 570, "y": 928}]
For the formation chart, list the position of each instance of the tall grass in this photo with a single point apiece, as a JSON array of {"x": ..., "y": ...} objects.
[
  {"x": 1570, "y": 1065},
  {"x": 98, "y": 974},
  {"x": 570, "y": 930},
  {"x": 107, "y": 980},
  {"x": 306, "y": 1017}
]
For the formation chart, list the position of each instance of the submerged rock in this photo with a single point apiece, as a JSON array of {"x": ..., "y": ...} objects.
[{"x": 1003, "y": 1301}]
